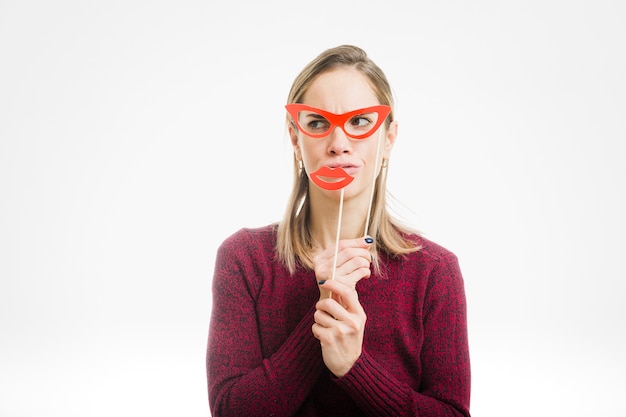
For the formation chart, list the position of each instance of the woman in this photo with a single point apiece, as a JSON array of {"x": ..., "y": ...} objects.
[{"x": 306, "y": 322}]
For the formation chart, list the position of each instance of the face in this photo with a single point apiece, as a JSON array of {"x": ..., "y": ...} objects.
[{"x": 341, "y": 91}]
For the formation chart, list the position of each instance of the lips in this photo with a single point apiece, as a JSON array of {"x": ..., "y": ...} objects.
[{"x": 339, "y": 174}]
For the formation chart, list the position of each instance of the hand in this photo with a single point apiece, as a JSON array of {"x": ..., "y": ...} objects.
[
  {"x": 353, "y": 263},
  {"x": 340, "y": 319},
  {"x": 340, "y": 328}
]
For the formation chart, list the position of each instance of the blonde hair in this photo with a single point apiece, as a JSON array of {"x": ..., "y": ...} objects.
[{"x": 295, "y": 243}]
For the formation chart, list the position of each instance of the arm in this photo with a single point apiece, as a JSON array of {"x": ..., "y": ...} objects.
[
  {"x": 445, "y": 379},
  {"x": 241, "y": 381}
]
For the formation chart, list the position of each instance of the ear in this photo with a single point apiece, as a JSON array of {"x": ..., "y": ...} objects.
[
  {"x": 293, "y": 135},
  {"x": 390, "y": 138}
]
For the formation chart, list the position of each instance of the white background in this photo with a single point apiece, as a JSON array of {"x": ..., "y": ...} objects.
[{"x": 136, "y": 135}]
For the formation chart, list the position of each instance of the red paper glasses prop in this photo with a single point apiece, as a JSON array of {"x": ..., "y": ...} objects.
[
  {"x": 318, "y": 123},
  {"x": 356, "y": 124}
]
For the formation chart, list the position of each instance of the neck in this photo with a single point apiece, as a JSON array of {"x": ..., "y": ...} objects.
[{"x": 325, "y": 216}]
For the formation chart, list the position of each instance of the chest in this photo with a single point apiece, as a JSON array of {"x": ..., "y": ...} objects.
[{"x": 393, "y": 305}]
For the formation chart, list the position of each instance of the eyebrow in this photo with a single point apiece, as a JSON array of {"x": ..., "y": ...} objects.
[{"x": 316, "y": 116}]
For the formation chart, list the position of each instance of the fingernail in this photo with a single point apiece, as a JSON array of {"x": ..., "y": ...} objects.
[
  {"x": 369, "y": 240},
  {"x": 321, "y": 282}
]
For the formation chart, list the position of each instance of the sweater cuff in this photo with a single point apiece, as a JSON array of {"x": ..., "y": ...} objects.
[
  {"x": 301, "y": 352},
  {"x": 372, "y": 387}
]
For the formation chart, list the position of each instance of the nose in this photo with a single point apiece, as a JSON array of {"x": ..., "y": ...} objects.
[{"x": 339, "y": 143}]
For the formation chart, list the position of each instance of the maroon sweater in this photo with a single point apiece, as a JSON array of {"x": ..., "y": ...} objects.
[{"x": 263, "y": 360}]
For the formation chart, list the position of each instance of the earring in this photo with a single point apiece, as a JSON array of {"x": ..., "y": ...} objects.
[
  {"x": 385, "y": 163},
  {"x": 300, "y": 166}
]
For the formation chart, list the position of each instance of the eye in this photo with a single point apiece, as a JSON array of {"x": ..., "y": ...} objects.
[
  {"x": 362, "y": 121},
  {"x": 316, "y": 124}
]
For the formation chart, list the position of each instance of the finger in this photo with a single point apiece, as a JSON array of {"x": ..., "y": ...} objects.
[
  {"x": 318, "y": 330},
  {"x": 362, "y": 243},
  {"x": 354, "y": 262},
  {"x": 326, "y": 265},
  {"x": 355, "y": 247},
  {"x": 353, "y": 270},
  {"x": 347, "y": 254},
  {"x": 329, "y": 313},
  {"x": 322, "y": 317},
  {"x": 348, "y": 295}
]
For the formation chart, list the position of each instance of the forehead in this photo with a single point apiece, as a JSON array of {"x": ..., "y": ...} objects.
[{"x": 341, "y": 90}]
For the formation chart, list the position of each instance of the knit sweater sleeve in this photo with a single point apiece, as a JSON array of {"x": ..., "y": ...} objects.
[
  {"x": 445, "y": 379},
  {"x": 241, "y": 382}
]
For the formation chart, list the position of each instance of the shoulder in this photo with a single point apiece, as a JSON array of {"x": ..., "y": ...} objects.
[
  {"x": 249, "y": 253},
  {"x": 433, "y": 263},
  {"x": 441, "y": 267},
  {"x": 433, "y": 251},
  {"x": 429, "y": 251},
  {"x": 249, "y": 243},
  {"x": 245, "y": 237}
]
